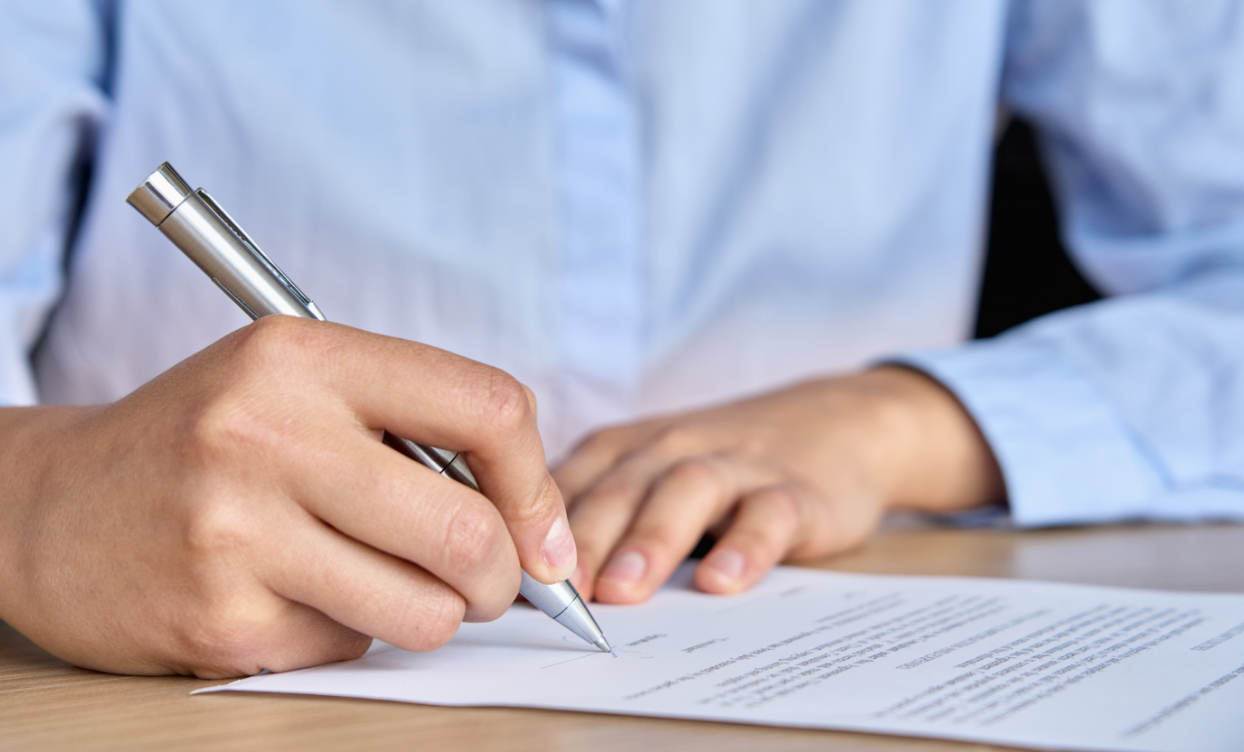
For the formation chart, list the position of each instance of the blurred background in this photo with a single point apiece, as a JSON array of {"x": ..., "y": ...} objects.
[{"x": 1027, "y": 270}]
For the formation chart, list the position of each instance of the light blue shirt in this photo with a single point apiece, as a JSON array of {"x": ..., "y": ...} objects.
[{"x": 653, "y": 205}]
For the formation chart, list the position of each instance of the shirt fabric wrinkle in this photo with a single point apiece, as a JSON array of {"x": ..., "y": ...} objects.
[{"x": 639, "y": 206}]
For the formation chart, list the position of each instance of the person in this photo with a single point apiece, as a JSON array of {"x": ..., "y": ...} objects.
[{"x": 719, "y": 259}]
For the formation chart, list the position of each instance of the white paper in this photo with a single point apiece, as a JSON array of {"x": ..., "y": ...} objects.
[{"x": 1004, "y": 661}]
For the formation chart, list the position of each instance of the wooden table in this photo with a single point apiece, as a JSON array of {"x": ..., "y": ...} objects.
[{"x": 46, "y": 704}]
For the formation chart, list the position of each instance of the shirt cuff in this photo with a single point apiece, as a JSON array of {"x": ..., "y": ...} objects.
[{"x": 1066, "y": 456}]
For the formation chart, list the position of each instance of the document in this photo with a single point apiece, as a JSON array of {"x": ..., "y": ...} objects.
[{"x": 1022, "y": 663}]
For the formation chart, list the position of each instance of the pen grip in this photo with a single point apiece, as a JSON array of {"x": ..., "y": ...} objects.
[{"x": 449, "y": 464}]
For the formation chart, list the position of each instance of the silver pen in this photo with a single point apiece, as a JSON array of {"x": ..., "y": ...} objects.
[{"x": 208, "y": 235}]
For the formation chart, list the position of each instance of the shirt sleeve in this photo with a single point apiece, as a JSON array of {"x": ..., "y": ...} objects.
[
  {"x": 1132, "y": 407},
  {"x": 53, "y": 70}
]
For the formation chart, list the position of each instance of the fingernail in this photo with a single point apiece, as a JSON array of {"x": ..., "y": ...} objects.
[
  {"x": 627, "y": 568},
  {"x": 727, "y": 563},
  {"x": 559, "y": 549}
]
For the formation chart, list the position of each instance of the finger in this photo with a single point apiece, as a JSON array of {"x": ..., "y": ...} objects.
[
  {"x": 382, "y": 499},
  {"x": 680, "y": 507},
  {"x": 765, "y": 527},
  {"x": 363, "y": 589},
  {"x": 312, "y": 638},
  {"x": 602, "y": 515},
  {"x": 297, "y": 636},
  {"x": 435, "y": 397},
  {"x": 540, "y": 530},
  {"x": 591, "y": 459},
  {"x": 490, "y": 417},
  {"x": 596, "y": 456}
]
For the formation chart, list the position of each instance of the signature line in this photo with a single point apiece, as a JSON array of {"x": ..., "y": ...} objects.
[{"x": 577, "y": 658}]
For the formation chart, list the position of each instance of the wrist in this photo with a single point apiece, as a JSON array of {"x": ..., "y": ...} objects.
[
  {"x": 945, "y": 463},
  {"x": 24, "y": 463}
]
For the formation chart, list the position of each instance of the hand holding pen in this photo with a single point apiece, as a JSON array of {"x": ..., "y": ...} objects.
[
  {"x": 198, "y": 226},
  {"x": 238, "y": 512}
]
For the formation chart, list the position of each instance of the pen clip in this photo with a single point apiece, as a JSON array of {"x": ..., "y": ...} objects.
[{"x": 260, "y": 256}]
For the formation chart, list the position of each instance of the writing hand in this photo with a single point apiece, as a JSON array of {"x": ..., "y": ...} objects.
[{"x": 239, "y": 512}]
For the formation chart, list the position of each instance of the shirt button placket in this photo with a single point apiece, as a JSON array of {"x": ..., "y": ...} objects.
[{"x": 599, "y": 214}]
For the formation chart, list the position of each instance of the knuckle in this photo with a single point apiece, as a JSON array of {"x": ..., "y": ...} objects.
[
  {"x": 767, "y": 540},
  {"x": 351, "y": 645},
  {"x": 224, "y": 425},
  {"x": 661, "y": 535},
  {"x": 249, "y": 410},
  {"x": 784, "y": 502},
  {"x": 602, "y": 441},
  {"x": 759, "y": 441},
  {"x": 536, "y": 507},
  {"x": 472, "y": 539},
  {"x": 614, "y": 488},
  {"x": 223, "y": 639},
  {"x": 437, "y": 622},
  {"x": 782, "y": 513},
  {"x": 660, "y": 538},
  {"x": 274, "y": 347},
  {"x": 278, "y": 337},
  {"x": 675, "y": 441},
  {"x": 504, "y": 405},
  {"x": 701, "y": 472},
  {"x": 216, "y": 531},
  {"x": 493, "y": 605}
]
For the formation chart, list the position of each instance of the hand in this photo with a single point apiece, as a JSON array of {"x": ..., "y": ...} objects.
[
  {"x": 798, "y": 473},
  {"x": 239, "y": 512}
]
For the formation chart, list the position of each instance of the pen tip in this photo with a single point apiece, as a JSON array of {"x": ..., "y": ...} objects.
[{"x": 603, "y": 644}]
